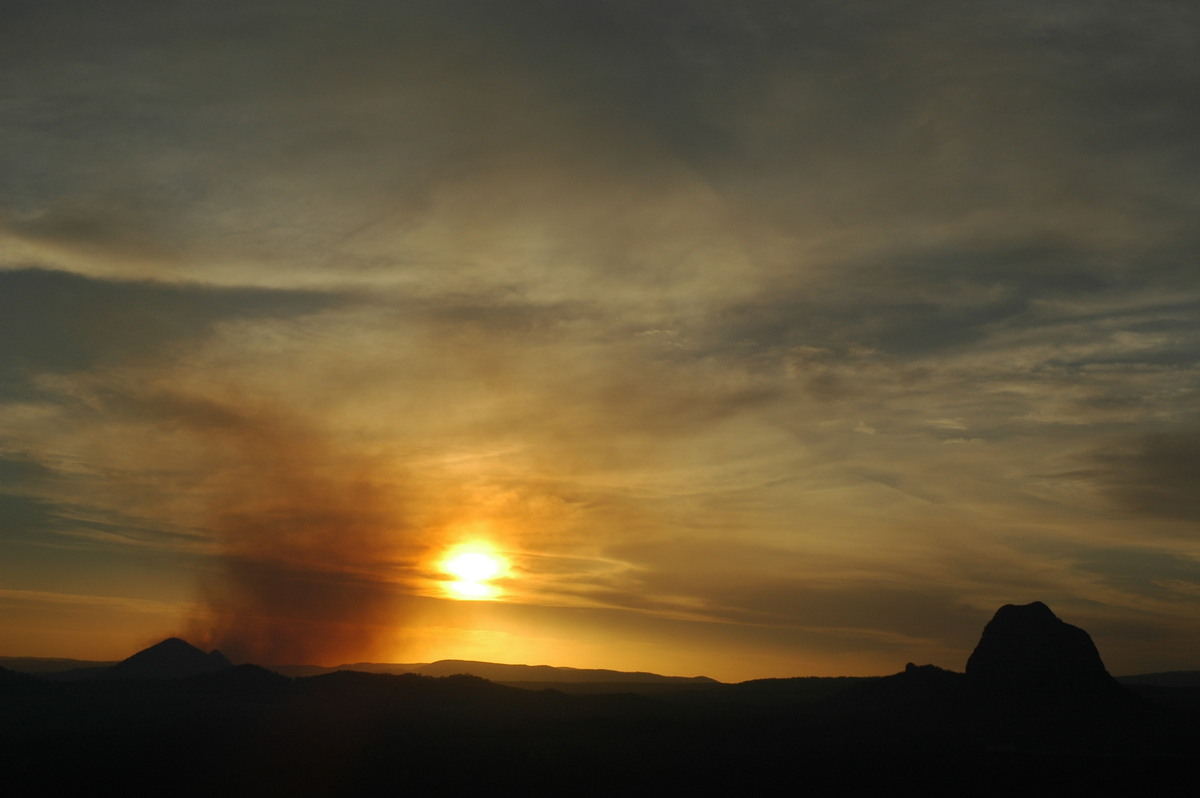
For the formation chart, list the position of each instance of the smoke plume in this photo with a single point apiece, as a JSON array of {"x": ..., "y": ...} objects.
[{"x": 310, "y": 550}]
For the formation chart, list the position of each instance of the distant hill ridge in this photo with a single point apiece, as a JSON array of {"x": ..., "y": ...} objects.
[
  {"x": 50, "y": 665},
  {"x": 500, "y": 672},
  {"x": 175, "y": 658},
  {"x": 1022, "y": 647},
  {"x": 1167, "y": 679}
]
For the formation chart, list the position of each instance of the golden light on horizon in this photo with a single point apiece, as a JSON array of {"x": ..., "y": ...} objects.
[{"x": 474, "y": 566}]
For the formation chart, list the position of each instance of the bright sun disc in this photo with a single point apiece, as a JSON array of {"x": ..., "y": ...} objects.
[
  {"x": 473, "y": 566},
  {"x": 472, "y": 571}
]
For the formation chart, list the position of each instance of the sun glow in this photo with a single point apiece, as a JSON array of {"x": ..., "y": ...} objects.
[{"x": 473, "y": 567}]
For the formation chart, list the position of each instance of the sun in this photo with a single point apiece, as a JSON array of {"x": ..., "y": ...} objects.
[{"x": 473, "y": 567}]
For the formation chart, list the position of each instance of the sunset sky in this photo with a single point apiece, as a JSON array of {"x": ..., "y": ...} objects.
[{"x": 753, "y": 339}]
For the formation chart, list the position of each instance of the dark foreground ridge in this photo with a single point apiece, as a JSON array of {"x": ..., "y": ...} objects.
[{"x": 1036, "y": 711}]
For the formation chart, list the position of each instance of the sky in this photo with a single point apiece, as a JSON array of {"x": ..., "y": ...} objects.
[{"x": 752, "y": 339}]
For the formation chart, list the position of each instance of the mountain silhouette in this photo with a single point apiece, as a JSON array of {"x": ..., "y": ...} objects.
[
  {"x": 171, "y": 659},
  {"x": 246, "y": 730},
  {"x": 1029, "y": 648}
]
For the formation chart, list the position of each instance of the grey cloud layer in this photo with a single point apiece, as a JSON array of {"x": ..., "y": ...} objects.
[{"x": 859, "y": 287}]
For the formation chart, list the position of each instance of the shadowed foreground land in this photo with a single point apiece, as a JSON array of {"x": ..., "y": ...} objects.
[
  {"x": 246, "y": 730},
  {"x": 1016, "y": 720}
]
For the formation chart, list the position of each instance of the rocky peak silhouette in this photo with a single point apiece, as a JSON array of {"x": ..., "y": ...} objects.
[
  {"x": 173, "y": 658},
  {"x": 1028, "y": 647}
]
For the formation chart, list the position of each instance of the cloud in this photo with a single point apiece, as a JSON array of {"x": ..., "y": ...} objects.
[
  {"x": 118, "y": 603},
  {"x": 303, "y": 293},
  {"x": 55, "y": 322},
  {"x": 1158, "y": 476}
]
